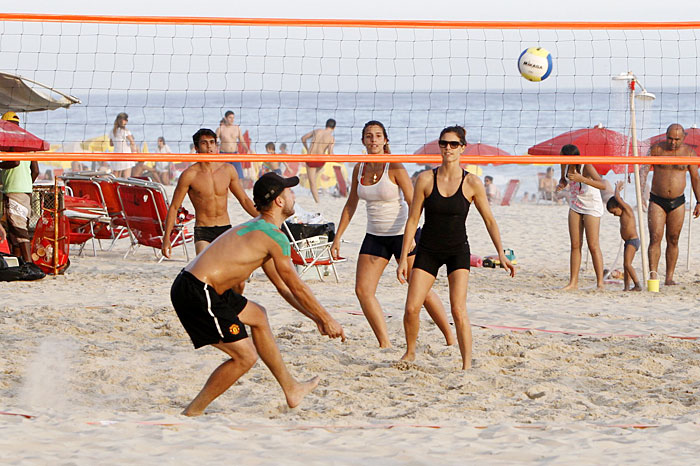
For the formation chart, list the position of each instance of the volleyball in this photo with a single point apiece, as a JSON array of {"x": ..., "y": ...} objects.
[{"x": 535, "y": 64}]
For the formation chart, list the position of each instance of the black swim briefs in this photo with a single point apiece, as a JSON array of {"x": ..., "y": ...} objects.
[
  {"x": 209, "y": 234},
  {"x": 634, "y": 242},
  {"x": 667, "y": 204},
  {"x": 208, "y": 317}
]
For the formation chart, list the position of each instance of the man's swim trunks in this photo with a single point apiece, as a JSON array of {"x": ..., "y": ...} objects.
[
  {"x": 18, "y": 208},
  {"x": 209, "y": 234},
  {"x": 667, "y": 204},
  {"x": 208, "y": 317},
  {"x": 634, "y": 242}
]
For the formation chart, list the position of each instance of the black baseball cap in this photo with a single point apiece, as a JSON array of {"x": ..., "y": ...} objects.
[{"x": 269, "y": 186}]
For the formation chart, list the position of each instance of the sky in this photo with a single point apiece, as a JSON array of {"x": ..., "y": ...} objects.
[{"x": 495, "y": 10}]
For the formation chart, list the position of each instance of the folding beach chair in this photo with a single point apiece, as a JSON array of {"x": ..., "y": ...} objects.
[
  {"x": 86, "y": 220},
  {"x": 511, "y": 190},
  {"x": 99, "y": 187},
  {"x": 312, "y": 252},
  {"x": 145, "y": 208}
]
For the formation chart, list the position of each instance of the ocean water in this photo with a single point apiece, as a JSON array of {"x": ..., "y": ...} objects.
[{"x": 511, "y": 120}]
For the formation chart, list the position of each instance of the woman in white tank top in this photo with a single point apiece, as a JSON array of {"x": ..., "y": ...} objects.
[
  {"x": 585, "y": 211},
  {"x": 386, "y": 188}
]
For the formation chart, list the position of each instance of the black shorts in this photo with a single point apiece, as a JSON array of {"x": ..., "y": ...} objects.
[
  {"x": 385, "y": 246},
  {"x": 209, "y": 234},
  {"x": 432, "y": 261},
  {"x": 207, "y": 317},
  {"x": 634, "y": 242}
]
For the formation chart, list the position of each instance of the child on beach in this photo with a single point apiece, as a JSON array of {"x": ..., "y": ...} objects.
[
  {"x": 628, "y": 230},
  {"x": 585, "y": 210}
]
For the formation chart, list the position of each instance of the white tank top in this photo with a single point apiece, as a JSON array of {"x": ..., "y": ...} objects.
[
  {"x": 387, "y": 211},
  {"x": 585, "y": 200}
]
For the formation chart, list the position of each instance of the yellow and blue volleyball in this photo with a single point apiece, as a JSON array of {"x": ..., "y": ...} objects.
[{"x": 535, "y": 64}]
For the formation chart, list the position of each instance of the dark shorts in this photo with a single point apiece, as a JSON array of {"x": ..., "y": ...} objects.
[
  {"x": 634, "y": 242},
  {"x": 208, "y": 318},
  {"x": 315, "y": 164},
  {"x": 667, "y": 204},
  {"x": 385, "y": 246},
  {"x": 209, "y": 234},
  {"x": 432, "y": 261}
]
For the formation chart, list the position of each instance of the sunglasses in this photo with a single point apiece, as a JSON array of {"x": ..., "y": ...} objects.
[{"x": 453, "y": 144}]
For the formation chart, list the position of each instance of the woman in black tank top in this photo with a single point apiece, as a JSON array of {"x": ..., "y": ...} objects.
[{"x": 446, "y": 194}]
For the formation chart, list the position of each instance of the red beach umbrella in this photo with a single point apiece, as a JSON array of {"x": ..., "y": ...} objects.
[
  {"x": 692, "y": 138},
  {"x": 471, "y": 149},
  {"x": 15, "y": 139},
  {"x": 590, "y": 141}
]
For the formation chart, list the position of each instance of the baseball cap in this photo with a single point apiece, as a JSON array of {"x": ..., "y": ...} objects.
[
  {"x": 269, "y": 186},
  {"x": 11, "y": 116}
]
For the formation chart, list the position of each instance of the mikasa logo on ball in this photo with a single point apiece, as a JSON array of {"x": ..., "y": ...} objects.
[{"x": 535, "y": 64}]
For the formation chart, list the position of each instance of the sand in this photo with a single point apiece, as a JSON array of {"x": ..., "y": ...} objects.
[{"x": 100, "y": 359}]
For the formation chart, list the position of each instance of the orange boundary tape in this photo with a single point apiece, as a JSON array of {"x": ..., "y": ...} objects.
[
  {"x": 363, "y": 23},
  {"x": 541, "y": 330},
  {"x": 338, "y": 427},
  {"x": 405, "y": 158}
]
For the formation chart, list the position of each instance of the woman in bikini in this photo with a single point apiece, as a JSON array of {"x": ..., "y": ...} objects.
[
  {"x": 386, "y": 188},
  {"x": 446, "y": 193}
]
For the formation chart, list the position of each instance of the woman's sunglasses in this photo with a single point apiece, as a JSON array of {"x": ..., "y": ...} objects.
[{"x": 453, "y": 144}]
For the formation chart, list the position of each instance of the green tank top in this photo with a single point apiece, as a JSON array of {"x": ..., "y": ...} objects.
[
  {"x": 18, "y": 179},
  {"x": 270, "y": 230}
]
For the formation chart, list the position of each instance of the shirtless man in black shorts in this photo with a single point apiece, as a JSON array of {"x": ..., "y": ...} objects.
[
  {"x": 667, "y": 199},
  {"x": 207, "y": 184},
  {"x": 213, "y": 314}
]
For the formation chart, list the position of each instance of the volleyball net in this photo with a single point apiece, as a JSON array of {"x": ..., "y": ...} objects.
[{"x": 283, "y": 78}]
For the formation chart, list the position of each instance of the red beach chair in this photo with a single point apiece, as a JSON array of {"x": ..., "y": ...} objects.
[
  {"x": 145, "y": 208},
  {"x": 511, "y": 189}
]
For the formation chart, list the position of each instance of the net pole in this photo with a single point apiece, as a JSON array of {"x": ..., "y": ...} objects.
[{"x": 637, "y": 185}]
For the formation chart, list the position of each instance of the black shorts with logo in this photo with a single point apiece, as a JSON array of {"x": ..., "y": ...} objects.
[{"x": 208, "y": 317}]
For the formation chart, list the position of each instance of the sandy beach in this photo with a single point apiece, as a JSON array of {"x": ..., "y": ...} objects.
[{"x": 100, "y": 359}]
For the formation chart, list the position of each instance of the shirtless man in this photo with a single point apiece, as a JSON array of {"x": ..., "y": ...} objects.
[
  {"x": 207, "y": 184},
  {"x": 230, "y": 134},
  {"x": 322, "y": 142},
  {"x": 213, "y": 314},
  {"x": 667, "y": 199}
]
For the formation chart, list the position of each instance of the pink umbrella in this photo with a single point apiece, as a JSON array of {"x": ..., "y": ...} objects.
[
  {"x": 590, "y": 141},
  {"x": 471, "y": 149},
  {"x": 15, "y": 139}
]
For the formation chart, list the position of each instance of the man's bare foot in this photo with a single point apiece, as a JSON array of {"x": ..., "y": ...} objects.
[
  {"x": 300, "y": 390},
  {"x": 670, "y": 283},
  {"x": 636, "y": 287},
  {"x": 601, "y": 286},
  {"x": 408, "y": 356},
  {"x": 570, "y": 286}
]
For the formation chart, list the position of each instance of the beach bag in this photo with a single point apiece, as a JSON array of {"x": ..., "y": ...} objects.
[
  {"x": 307, "y": 230},
  {"x": 15, "y": 269}
]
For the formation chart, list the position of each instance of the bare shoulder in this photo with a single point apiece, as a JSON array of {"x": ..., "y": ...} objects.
[
  {"x": 688, "y": 151},
  {"x": 396, "y": 166},
  {"x": 473, "y": 180},
  {"x": 657, "y": 149}
]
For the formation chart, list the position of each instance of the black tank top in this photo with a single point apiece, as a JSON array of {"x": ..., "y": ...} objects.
[{"x": 445, "y": 227}]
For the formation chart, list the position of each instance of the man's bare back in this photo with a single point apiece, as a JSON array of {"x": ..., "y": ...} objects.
[
  {"x": 322, "y": 141},
  {"x": 223, "y": 270}
]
